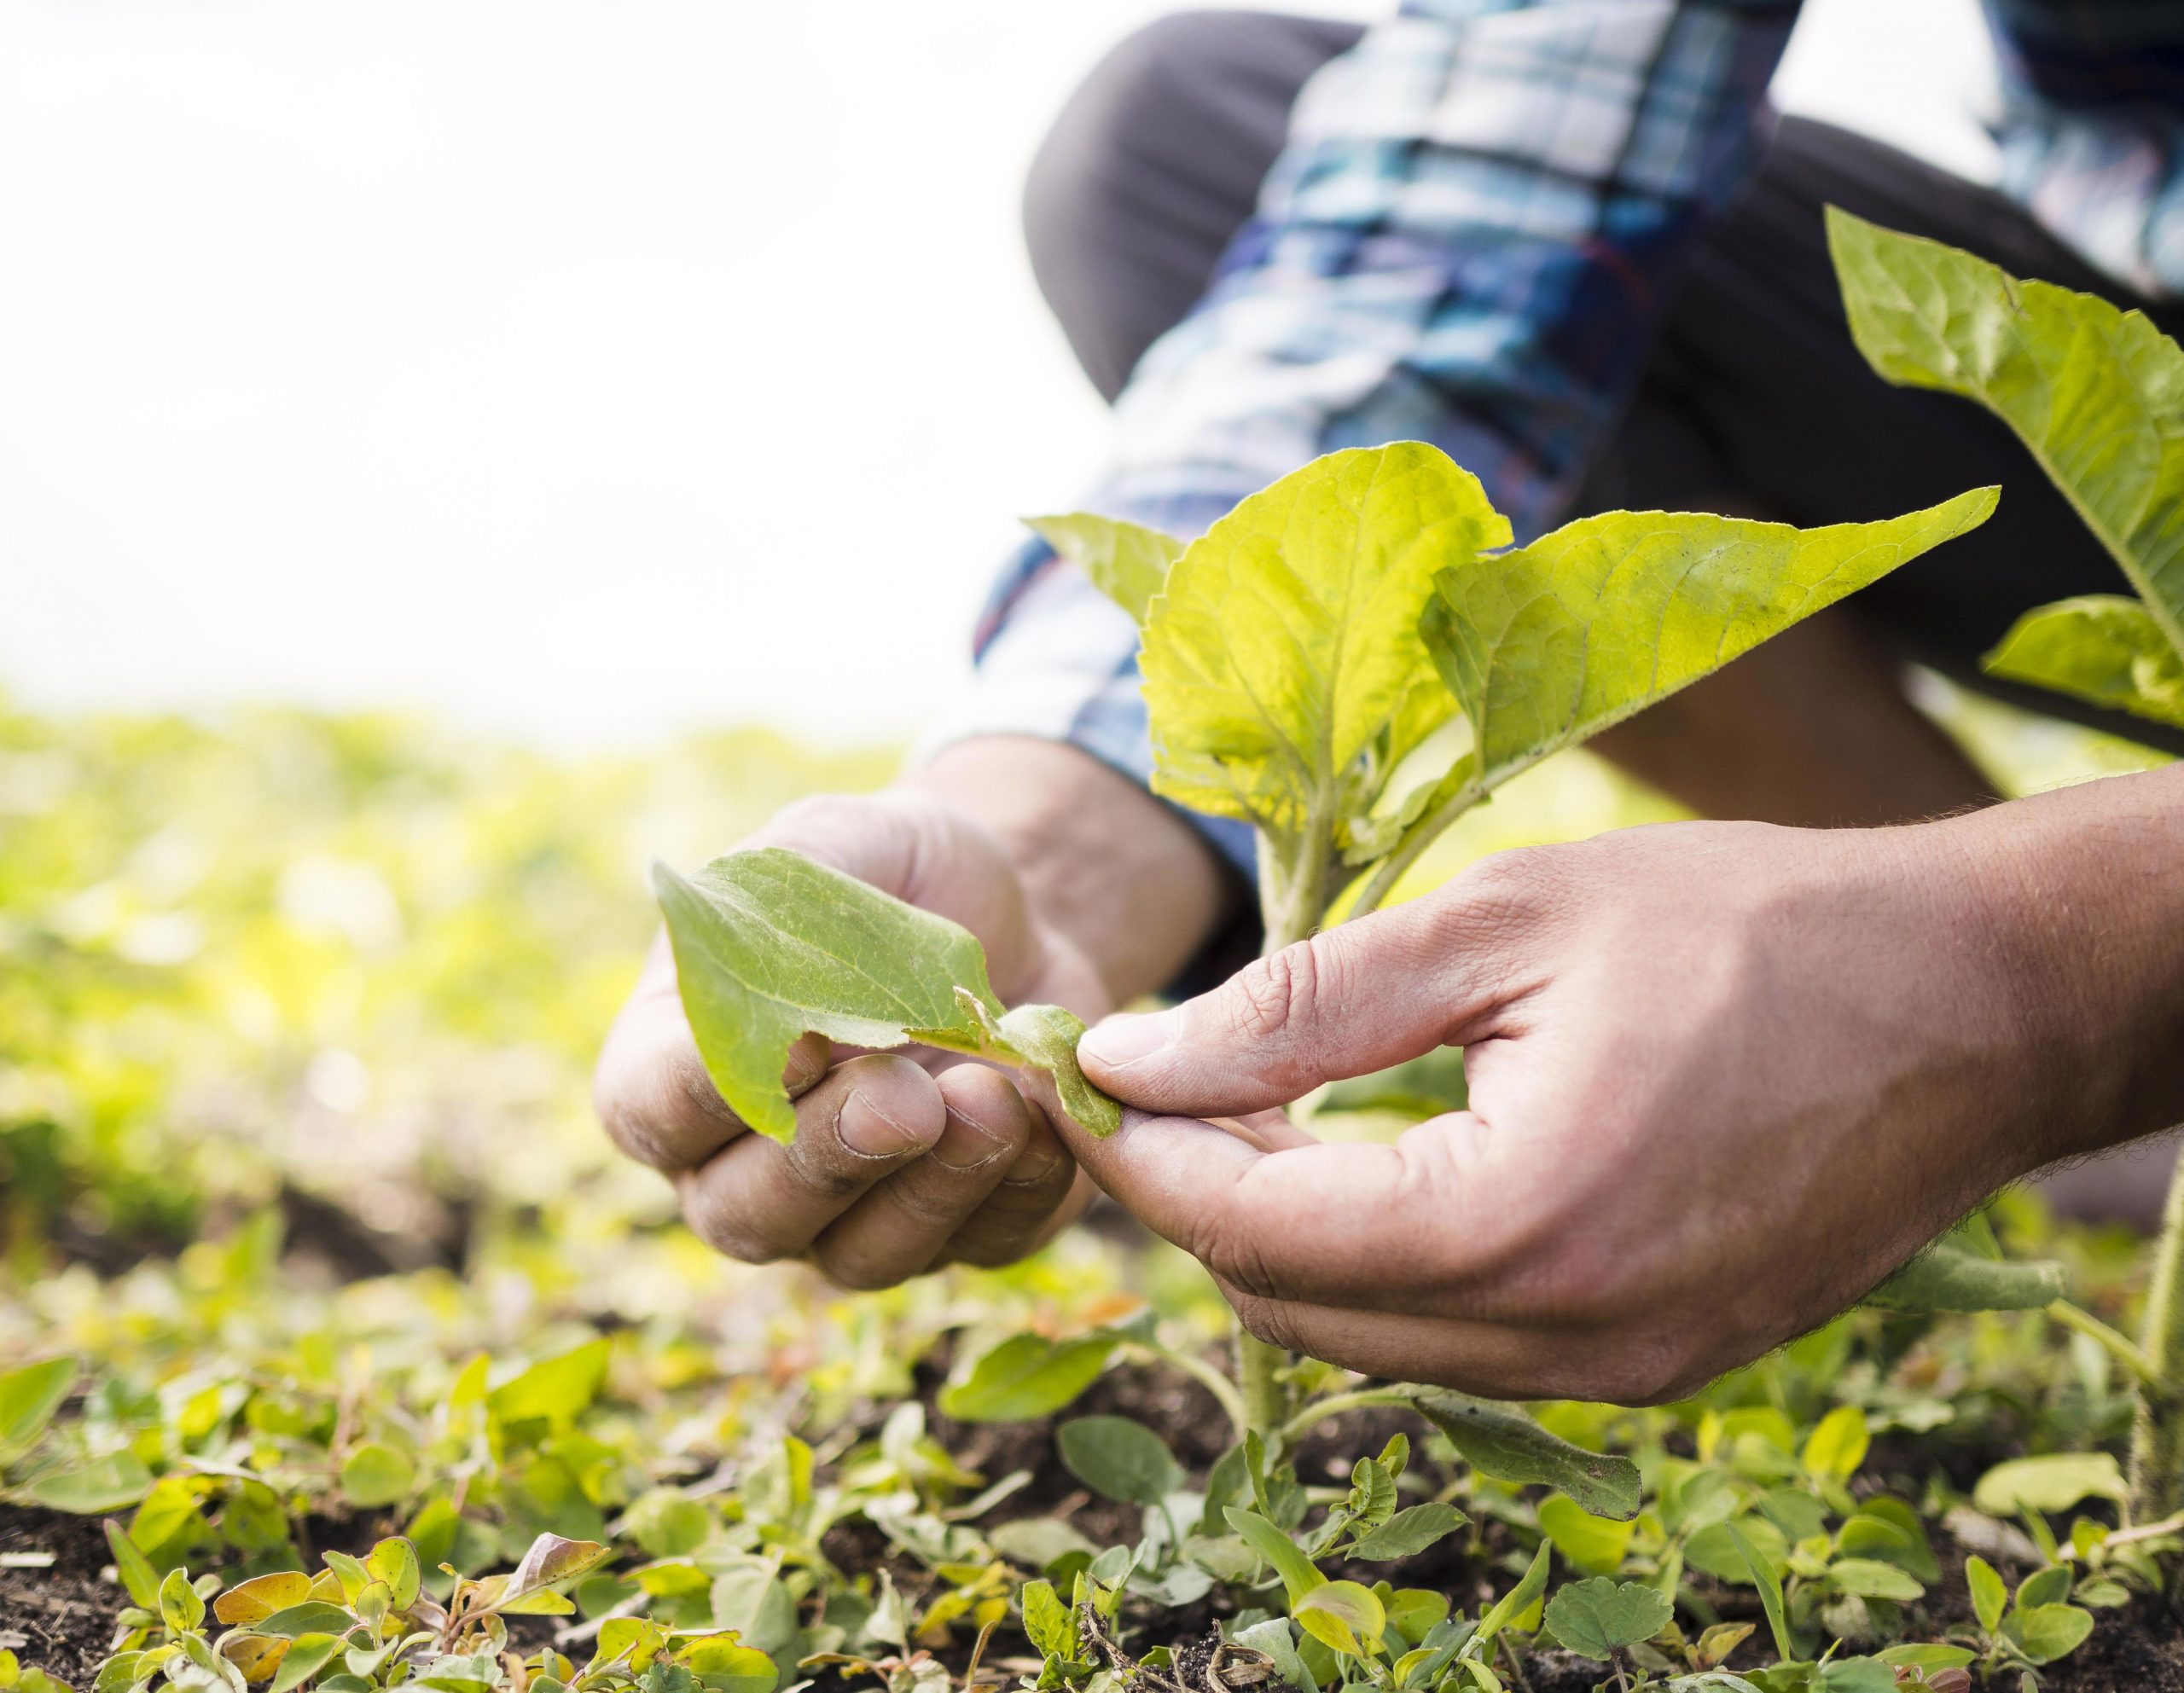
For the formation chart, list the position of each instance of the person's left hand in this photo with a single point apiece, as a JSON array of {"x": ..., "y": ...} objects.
[{"x": 1724, "y": 1079}]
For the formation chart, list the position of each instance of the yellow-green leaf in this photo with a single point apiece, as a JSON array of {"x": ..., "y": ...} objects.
[
  {"x": 1127, "y": 562},
  {"x": 2096, "y": 394},
  {"x": 2100, "y": 647},
  {"x": 1343, "y": 1616},
  {"x": 1284, "y": 674},
  {"x": 1550, "y": 643}
]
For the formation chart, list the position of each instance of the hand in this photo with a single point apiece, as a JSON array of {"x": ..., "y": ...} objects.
[
  {"x": 903, "y": 1161},
  {"x": 1724, "y": 1079}
]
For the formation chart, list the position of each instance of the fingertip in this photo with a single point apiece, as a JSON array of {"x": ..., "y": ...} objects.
[
  {"x": 889, "y": 1107},
  {"x": 809, "y": 1056},
  {"x": 988, "y": 1119}
]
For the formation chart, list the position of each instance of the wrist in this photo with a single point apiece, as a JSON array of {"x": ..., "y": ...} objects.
[
  {"x": 2079, "y": 898},
  {"x": 1103, "y": 864}
]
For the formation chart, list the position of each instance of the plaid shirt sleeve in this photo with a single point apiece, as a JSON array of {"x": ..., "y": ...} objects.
[{"x": 1465, "y": 242}]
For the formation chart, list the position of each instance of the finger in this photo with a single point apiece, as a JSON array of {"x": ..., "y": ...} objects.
[
  {"x": 1493, "y": 1361},
  {"x": 651, "y": 1089},
  {"x": 898, "y": 1228},
  {"x": 1041, "y": 1192},
  {"x": 1429, "y": 1223},
  {"x": 1348, "y": 1000},
  {"x": 759, "y": 1201}
]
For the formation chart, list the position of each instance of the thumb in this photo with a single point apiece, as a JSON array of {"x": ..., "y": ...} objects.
[{"x": 1348, "y": 1000}]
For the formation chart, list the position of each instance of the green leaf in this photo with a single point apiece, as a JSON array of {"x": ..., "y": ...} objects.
[
  {"x": 1770, "y": 1591},
  {"x": 552, "y": 1560},
  {"x": 138, "y": 1578},
  {"x": 1045, "y": 1037},
  {"x": 313, "y": 1616},
  {"x": 1870, "y": 1579},
  {"x": 1989, "y": 1595},
  {"x": 29, "y": 1397},
  {"x": 1596, "y": 1545},
  {"x": 304, "y": 1658},
  {"x": 1283, "y": 669},
  {"x": 2051, "y": 1482},
  {"x": 394, "y": 1561},
  {"x": 1550, "y": 643},
  {"x": 770, "y": 947},
  {"x": 1519, "y": 1599},
  {"x": 1950, "y": 1275},
  {"x": 723, "y": 1664},
  {"x": 102, "y": 1484},
  {"x": 1343, "y": 1616},
  {"x": 375, "y": 1474},
  {"x": 181, "y": 1608},
  {"x": 1297, "y": 1574},
  {"x": 249, "y": 1602},
  {"x": 2048, "y": 1587},
  {"x": 2100, "y": 647},
  {"x": 2047, "y": 1633},
  {"x": 1836, "y": 1448},
  {"x": 1928, "y": 1657},
  {"x": 554, "y": 1389},
  {"x": 1500, "y": 1441},
  {"x": 2096, "y": 394},
  {"x": 1855, "y": 1675},
  {"x": 1120, "y": 1458},
  {"x": 1025, "y": 1377},
  {"x": 1409, "y": 1531},
  {"x": 1127, "y": 562},
  {"x": 1598, "y": 1618},
  {"x": 1049, "y": 1624}
]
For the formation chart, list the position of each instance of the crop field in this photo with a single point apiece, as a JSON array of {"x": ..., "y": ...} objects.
[{"x": 339, "y": 1351}]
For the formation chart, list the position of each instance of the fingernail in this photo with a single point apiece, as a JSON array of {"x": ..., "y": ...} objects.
[
  {"x": 1122, "y": 1041},
  {"x": 966, "y": 1143},
  {"x": 870, "y": 1132}
]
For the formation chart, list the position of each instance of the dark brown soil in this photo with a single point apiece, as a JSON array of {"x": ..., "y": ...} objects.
[{"x": 64, "y": 1613}]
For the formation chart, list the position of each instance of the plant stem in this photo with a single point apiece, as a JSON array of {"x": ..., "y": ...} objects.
[
  {"x": 1210, "y": 1379},
  {"x": 1293, "y": 900},
  {"x": 1412, "y": 847},
  {"x": 1266, "y": 1396},
  {"x": 1334, "y": 1405},
  {"x": 2158, "y": 1436},
  {"x": 2125, "y": 1350},
  {"x": 2146, "y": 1531}
]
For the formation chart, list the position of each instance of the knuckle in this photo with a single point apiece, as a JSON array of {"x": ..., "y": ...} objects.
[
  {"x": 1234, "y": 1252},
  {"x": 1268, "y": 1320},
  {"x": 1277, "y": 994}
]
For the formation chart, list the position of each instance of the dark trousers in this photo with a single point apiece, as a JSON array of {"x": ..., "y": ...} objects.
[{"x": 1753, "y": 400}]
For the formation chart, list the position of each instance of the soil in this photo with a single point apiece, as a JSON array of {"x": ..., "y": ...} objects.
[{"x": 63, "y": 1613}]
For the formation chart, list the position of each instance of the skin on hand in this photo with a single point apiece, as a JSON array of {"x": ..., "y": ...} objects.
[
  {"x": 1724, "y": 1079},
  {"x": 904, "y": 1162}
]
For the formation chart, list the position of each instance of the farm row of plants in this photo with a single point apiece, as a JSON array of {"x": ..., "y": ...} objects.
[{"x": 571, "y": 1454}]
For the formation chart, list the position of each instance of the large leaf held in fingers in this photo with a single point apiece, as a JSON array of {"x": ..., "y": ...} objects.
[
  {"x": 2100, "y": 647},
  {"x": 769, "y": 946},
  {"x": 2097, "y": 394},
  {"x": 1501, "y": 1441},
  {"x": 1548, "y": 644},
  {"x": 1283, "y": 669},
  {"x": 1126, "y": 561}
]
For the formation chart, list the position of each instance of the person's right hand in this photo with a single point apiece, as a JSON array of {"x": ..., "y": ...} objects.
[{"x": 903, "y": 1161}]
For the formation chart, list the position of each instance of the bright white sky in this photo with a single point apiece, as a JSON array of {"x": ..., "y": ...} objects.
[{"x": 576, "y": 370}]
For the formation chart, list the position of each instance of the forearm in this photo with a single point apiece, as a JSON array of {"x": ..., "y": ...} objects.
[
  {"x": 1110, "y": 866},
  {"x": 2087, "y": 889}
]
